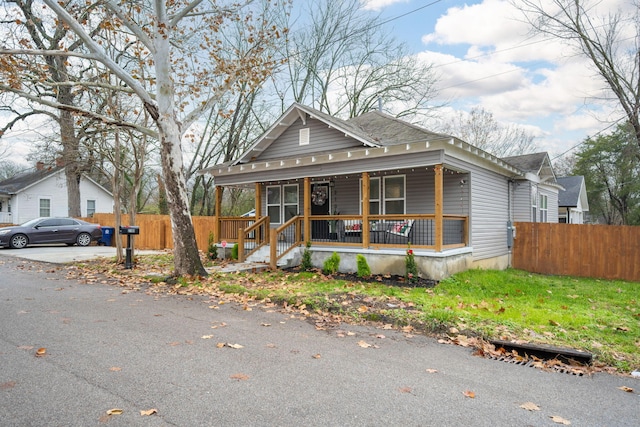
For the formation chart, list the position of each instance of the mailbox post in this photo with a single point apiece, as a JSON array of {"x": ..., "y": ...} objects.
[{"x": 129, "y": 231}]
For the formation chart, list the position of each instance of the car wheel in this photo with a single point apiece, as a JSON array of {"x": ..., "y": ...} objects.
[
  {"x": 83, "y": 239},
  {"x": 19, "y": 241}
]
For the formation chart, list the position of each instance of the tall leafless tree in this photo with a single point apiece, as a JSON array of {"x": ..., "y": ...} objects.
[
  {"x": 610, "y": 39},
  {"x": 186, "y": 72},
  {"x": 480, "y": 128}
]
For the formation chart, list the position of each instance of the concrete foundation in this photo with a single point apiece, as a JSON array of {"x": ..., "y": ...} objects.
[{"x": 431, "y": 265}]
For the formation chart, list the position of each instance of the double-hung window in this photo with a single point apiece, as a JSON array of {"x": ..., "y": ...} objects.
[
  {"x": 290, "y": 201},
  {"x": 543, "y": 208},
  {"x": 273, "y": 203},
  {"x": 534, "y": 204},
  {"x": 45, "y": 207},
  {"x": 91, "y": 208},
  {"x": 386, "y": 196}
]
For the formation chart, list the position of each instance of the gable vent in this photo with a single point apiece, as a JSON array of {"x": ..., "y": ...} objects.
[{"x": 304, "y": 136}]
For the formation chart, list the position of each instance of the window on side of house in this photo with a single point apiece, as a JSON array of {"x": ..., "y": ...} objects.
[
  {"x": 45, "y": 207},
  {"x": 273, "y": 203},
  {"x": 534, "y": 204},
  {"x": 543, "y": 208},
  {"x": 290, "y": 201},
  {"x": 394, "y": 194},
  {"x": 91, "y": 208},
  {"x": 374, "y": 196}
]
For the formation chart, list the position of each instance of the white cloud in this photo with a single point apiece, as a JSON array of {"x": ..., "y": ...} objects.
[{"x": 378, "y": 5}]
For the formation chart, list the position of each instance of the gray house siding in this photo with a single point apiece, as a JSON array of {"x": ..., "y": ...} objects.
[
  {"x": 321, "y": 139},
  {"x": 521, "y": 191},
  {"x": 489, "y": 213}
]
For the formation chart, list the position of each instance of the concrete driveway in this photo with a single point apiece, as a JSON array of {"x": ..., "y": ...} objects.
[{"x": 61, "y": 254}]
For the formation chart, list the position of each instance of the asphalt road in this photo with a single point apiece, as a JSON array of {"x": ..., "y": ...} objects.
[{"x": 107, "y": 348}]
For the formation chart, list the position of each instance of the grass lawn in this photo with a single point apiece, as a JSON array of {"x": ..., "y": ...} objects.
[{"x": 599, "y": 316}]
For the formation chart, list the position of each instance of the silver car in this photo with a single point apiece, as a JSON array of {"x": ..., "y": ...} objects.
[{"x": 50, "y": 230}]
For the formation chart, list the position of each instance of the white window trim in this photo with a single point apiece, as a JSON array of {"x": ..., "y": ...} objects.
[
  {"x": 393, "y": 199},
  {"x": 40, "y": 199},
  {"x": 279, "y": 204},
  {"x": 544, "y": 207},
  {"x": 284, "y": 202},
  {"x": 303, "y": 136},
  {"x": 378, "y": 199},
  {"x": 95, "y": 207}
]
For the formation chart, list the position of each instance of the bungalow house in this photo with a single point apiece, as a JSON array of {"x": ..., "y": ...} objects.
[
  {"x": 376, "y": 185},
  {"x": 572, "y": 201},
  {"x": 43, "y": 192}
]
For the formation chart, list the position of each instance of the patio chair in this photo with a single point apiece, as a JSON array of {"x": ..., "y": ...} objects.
[{"x": 400, "y": 229}]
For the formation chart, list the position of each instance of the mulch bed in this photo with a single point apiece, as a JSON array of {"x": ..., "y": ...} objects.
[{"x": 384, "y": 279}]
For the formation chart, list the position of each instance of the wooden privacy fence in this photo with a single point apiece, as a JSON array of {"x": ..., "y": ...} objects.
[
  {"x": 603, "y": 251},
  {"x": 155, "y": 230}
]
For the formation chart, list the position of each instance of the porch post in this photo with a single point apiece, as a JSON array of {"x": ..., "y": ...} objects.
[
  {"x": 258, "y": 206},
  {"x": 438, "y": 204},
  {"x": 218, "y": 207},
  {"x": 365, "y": 209},
  {"x": 307, "y": 209}
]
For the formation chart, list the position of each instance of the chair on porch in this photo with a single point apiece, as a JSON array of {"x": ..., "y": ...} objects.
[{"x": 400, "y": 229}]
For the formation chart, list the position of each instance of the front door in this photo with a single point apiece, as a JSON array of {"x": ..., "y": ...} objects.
[{"x": 320, "y": 205}]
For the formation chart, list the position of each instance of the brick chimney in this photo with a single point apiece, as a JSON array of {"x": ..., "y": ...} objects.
[{"x": 40, "y": 166}]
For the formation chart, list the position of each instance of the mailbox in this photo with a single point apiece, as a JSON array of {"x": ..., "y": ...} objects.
[{"x": 130, "y": 229}]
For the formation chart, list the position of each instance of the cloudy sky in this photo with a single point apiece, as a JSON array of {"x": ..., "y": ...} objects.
[{"x": 487, "y": 57}]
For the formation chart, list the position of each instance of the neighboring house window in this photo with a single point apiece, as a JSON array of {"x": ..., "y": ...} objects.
[
  {"x": 534, "y": 204},
  {"x": 91, "y": 207},
  {"x": 45, "y": 207},
  {"x": 290, "y": 201},
  {"x": 374, "y": 196},
  {"x": 543, "y": 208},
  {"x": 394, "y": 194},
  {"x": 9, "y": 206},
  {"x": 273, "y": 203}
]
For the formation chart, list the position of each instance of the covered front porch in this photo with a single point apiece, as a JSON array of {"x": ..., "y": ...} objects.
[{"x": 377, "y": 214}]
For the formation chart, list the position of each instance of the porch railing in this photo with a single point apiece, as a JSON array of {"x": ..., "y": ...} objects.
[
  {"x": 284, "y": 239},
  {"x": 389, "y": 231},
  {"x": 252, "y": 238}
]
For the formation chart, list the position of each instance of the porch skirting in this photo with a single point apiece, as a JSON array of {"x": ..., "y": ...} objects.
[{"x": 432, "y": 265}]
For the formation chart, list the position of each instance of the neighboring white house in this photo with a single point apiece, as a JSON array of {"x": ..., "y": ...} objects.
[
  {"x": 43, "y": 192},
  {"x": 572, "y": 201}
]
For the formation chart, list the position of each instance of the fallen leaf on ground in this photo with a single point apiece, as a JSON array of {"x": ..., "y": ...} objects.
[
  {"x": 559, "y": 420},
  {"x": 174, "y": 343},
  {"x": 148, "y": 412},
  {"x": 627, "y": 389},
  {"x": 432, "y": 371},
  {"x": 469, "y": 394},
  {"x": 316, "y": 356},
  {"x": 41, "y": 352},
  {"x": 364, "y": 344},
  {"x": 236, "y": 346},
  {"x": 207, "y": 337},
  {"x": 266, "y": 324},
  {"x": 220, "y": 345},
  {"x": 7, "y": 385},
  {"x": 115, "y": 369},
  {"x": 530, "y": 406},
  {"x": 405, "y": 389},
  {"x": 239, "y": 377},
  {"x": 363, "y": 309},
  {"x": 115, "y": 411}
]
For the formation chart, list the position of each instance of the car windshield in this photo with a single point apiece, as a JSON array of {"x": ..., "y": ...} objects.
[{"x": 31, "y": 223}]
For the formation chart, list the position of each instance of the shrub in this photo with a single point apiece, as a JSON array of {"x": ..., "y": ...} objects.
[
  {"x": 212, "y": 248},
  {"x": 411, "y": 268},
  {"x": 363, "y": 266},
  {"x": 331, "y": 264},
  {"x": 234, "y": 251},
  {"x": 305, "y": 264}
]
